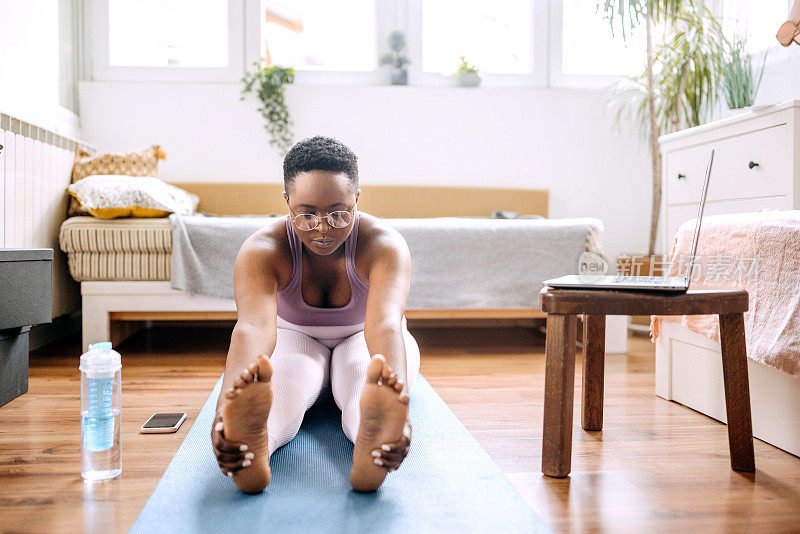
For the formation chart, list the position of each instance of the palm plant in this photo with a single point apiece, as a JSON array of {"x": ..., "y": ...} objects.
[
  {"x": 688, "y": 74},
  {"x": 739, "y": 84},
  {"x": 625, "y": 15}
]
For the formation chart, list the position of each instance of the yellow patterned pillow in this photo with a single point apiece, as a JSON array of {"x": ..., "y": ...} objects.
[
  {"x": 136, "y": 163},
  {"x": 109, "y": 197}
]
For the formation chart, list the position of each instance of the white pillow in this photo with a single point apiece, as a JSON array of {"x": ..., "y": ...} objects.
[{"x": 109, "y": 196}]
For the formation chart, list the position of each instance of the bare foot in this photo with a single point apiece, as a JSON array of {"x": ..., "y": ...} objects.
[
  {"x": 383, "y": 415},
  {"x": 244, "y": 416},
  {"x": 788, "y": 32}
]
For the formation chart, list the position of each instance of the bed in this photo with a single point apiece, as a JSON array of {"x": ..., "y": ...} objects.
[
  {"x": 759, "y": 252},
  {"x": 127, "y": 266}
]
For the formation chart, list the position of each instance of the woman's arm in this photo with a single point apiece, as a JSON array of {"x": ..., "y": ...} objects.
[
  {"x": 389, "y": 283},
  {"x": 255, "y": 285}
]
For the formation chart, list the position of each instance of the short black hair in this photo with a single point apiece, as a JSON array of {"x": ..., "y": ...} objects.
[{"x": 320, "y": 154}]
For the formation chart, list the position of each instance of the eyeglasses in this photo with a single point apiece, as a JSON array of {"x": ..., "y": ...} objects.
[{"x": 309, "y": 221}]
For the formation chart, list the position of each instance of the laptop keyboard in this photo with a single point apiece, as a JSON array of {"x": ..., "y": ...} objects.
[{"x": 649, "y": 280}]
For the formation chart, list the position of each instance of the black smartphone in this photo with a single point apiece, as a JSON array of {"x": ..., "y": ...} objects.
[{"x": 163, "y": 423}]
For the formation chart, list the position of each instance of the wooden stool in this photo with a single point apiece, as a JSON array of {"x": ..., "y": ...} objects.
[{"x": 562, "y": 306}]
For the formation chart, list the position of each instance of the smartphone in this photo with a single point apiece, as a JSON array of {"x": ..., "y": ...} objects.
[{"x": 163, "y": 423}]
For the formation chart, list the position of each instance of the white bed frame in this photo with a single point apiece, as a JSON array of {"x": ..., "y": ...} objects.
[
  {"x": 689, "y": 371},
  {"x": 106, "y": 302}
]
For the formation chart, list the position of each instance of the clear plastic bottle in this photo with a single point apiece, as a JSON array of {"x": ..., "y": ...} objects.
[{"x": 101, "y": 404}]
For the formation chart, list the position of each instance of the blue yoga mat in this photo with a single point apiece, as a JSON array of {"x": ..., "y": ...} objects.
[{"x": 448, "y": 483}]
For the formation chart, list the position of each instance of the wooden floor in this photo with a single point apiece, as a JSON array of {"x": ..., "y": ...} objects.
[{"x": 657, "y": 466}]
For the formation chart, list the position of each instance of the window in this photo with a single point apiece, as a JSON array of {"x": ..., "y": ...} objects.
[
  {"x": 195, "y": 40},
  {"x": 756, "y": 20},
  {"x": 495, "y": 36},
  {"x": 319, "y": 34},
  {"x": 161, "y": 33},
  {"x": 589, "y": 48},
  {"x": 534, "y": 43}
]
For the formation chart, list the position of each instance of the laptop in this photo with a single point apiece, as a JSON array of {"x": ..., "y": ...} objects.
[{"x": 649, "y": 283}]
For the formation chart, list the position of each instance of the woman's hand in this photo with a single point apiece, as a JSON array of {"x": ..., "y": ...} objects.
[
  {"x": 231, "y": 455},
  {"x": 397, "y": 451}
]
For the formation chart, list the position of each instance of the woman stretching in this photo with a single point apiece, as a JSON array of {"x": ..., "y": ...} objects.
[{"x": 320, "y": 296}]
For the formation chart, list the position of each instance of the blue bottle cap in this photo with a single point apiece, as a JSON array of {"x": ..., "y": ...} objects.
[{"x": 104, "y": 345}]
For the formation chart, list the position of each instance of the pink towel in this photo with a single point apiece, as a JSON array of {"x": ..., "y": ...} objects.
[{"x": 759, "y": 252}]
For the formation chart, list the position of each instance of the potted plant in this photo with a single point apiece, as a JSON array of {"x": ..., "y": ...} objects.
[
  {"x": 467, "y": 74},
  {"x": 397, "y": 58},
  {"x": 267, "y": 83},
  {"x": 739, "y": 84},
  {"x": 681, "y": 80}
]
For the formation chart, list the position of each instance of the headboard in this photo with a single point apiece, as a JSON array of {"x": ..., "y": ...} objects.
[{"x": 391, "y": 201}]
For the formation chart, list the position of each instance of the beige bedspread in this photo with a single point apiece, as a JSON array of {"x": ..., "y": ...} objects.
[{"x": 759, "y": 252}]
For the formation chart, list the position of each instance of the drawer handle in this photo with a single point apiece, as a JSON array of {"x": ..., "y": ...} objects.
[
  {"x": 752, "y": 164},
  {"x": 682, "y": 176}
]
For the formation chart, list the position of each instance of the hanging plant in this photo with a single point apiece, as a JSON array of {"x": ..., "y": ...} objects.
[{"x": 267, "y": 83}]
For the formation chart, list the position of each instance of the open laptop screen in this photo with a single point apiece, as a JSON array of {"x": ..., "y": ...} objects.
[{"x": 699, "y": 219}]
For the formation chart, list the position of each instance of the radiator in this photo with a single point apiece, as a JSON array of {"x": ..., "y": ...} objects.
[{"x": 35, "y": 169}]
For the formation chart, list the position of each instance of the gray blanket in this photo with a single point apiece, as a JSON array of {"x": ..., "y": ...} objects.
[{"x": 455, "y": 262}]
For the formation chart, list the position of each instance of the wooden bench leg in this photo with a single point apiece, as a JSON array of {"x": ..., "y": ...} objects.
[
  {"x": 594, "y": 345},
  {"x": 559, "y": 388},
  {"x": 737, "y": 391}
]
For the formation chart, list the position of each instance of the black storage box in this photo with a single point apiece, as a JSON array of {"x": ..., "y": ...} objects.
[
  {"x": 25, "y": 287},
  {"x": 13, "y": 363},
  {"x": 25, "y": 299}
]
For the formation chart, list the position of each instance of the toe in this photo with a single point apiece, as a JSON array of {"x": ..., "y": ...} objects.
[
  {"x": 246, "y": 376},
  {"x": 264, "y": 368},
  {"x": 386, "y": 372},
  {"x": 392, "y": 380},
  {"x": 398, "y": 386},
  {"x": 239, "y": 383},
  {"x": 374, "y": 369},
  {"x": 232, "y": 393},
  {"x": 391, "y": 459}
]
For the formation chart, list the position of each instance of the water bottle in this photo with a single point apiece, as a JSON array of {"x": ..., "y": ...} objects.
[{"x": 101, "y": 396}]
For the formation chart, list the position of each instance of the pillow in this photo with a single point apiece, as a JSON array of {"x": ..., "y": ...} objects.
[
  {"x": 112, "y": 196},
  {"x": 500, "y": 214},
  {"x": 137, "y": 163}
]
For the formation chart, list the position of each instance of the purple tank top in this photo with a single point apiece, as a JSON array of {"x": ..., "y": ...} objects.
[{"x": 292, "y": 307}]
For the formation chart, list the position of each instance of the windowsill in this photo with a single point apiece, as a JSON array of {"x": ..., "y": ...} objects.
[{"x": 384, "y": 86}]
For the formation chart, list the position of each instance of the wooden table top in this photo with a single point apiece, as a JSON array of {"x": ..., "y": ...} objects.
[{"x": 637, "y": 302}]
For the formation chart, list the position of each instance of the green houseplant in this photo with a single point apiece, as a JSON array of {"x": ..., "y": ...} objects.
[
  {"x": 397, "y": 58},
  {"x": 688, "y": 75},
  {"x": 467, "y": 74},
  {"x": 681, "y": 77},
  {"x": 267, "y": 83},
  {"x": 739, "y": 84}
]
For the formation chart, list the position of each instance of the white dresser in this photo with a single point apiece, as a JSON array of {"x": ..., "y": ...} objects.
[{"x": 756, "y": 165}]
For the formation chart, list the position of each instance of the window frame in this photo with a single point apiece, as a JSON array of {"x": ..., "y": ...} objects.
[
  {"x": 539, "y": 52},
  {"x": 102, "y": 70},
  {"x": 387, "y": 20},
  {"x": 558, "y": 78},
  {"x": 244, "y": 28}
]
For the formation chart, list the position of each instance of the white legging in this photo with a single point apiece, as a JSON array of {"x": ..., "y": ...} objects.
[{"x": 307, "y": 359}]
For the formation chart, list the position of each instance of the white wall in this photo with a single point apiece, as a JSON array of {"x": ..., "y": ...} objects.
[
  {"x": 29, "y": 65},
  {"x": 559, "y": 140}
]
